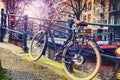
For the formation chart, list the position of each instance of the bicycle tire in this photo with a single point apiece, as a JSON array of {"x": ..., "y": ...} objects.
[
  {"x": 38, "y": 40},
  {"x": 93, "y": 74}
]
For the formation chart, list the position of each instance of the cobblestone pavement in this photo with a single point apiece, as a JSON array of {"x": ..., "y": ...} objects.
[{"x": 19, "y": 69}]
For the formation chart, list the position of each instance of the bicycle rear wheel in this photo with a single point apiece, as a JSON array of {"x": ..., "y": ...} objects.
[
  {"x": 37, "y": 47},
  {"x": 78, "y": 68}
]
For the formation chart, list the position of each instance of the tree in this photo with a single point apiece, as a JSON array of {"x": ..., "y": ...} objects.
[
  {"x": 64, "y": 7},
  {"x": 74, "y": 7},
  {"x": 16, "y": 6},
  {"x": 52, "y": 6}
]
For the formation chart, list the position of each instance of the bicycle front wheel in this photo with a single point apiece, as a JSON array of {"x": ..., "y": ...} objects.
[
  {"x": 83, "y": 64},
  {"x": 37, "y": 46}
]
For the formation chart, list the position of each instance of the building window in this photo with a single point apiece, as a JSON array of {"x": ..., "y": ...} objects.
[
  {"x": 112, "y": 19},
  {"x": 111, "y": 7},
  {"x": 118, "y": 5},
  {"x": 105, "y": 34},
  {"x": 96, "y": 1},
  {"x": 104, "y": 21},
  {"x": 89, "y": 6},
  {"x": 99, "y": 33},
  {"x": 117, "y": 34},
  {"x": 97, "y": 20},
  {"x": 84, "y": 18},
  {"x": 118, "y": 20},
  {"x": 97, "y": 10},
  {"x": 106, "y": 9},
  {"x": 95, "y": 33},
  {"x": 89, "y": 18}
]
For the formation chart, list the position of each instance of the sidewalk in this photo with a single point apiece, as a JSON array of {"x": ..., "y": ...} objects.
[{"x": 19, "y": 67}]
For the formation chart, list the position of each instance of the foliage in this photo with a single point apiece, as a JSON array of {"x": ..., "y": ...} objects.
[
  {"x": 16, "y": 6},
  {"x": 2, "y": 77},
  {"x": 52, "y": 5}
]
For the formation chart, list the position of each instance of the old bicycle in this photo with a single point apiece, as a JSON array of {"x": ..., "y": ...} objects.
[{"x": 76, "y": 54}]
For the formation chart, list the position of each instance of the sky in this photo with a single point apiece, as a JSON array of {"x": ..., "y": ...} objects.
[{"x": 37, "y": 9}]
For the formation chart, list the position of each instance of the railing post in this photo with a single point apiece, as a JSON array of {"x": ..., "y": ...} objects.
[
  {"x": 24, "y": 47},
  {"x": 70, "y": 23},
  {"x": 3, "y": 24}
]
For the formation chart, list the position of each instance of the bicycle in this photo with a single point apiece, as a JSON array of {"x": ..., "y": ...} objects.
[{"x": 77, "y": 52}]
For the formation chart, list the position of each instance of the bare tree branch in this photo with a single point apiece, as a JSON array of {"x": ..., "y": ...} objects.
[
  {"x": 73, "y": 8},
  {"x": 83, "y": 6},
  {"x": 68, "y": 5}
]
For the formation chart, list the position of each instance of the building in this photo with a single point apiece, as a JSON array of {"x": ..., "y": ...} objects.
[
  {"x": 96, "y": 11},
  {"x": 87, "y": 16},
  {"x": 114, "y": 18},
  {"x": 100, "y": 15},
  {"x": 105, "y": 12}
]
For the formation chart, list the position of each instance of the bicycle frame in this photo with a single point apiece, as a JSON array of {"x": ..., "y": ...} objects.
[
  {"x": 49, "y": 34},
  {"x": 74, "y": 50},
  {"x": 71, "y": 37}
]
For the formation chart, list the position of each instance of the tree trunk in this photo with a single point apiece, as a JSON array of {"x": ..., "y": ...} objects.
[{"x": 77, "y": 16}]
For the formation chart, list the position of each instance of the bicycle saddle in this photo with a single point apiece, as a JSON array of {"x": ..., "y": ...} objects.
[{"x": 80, "y": 23}]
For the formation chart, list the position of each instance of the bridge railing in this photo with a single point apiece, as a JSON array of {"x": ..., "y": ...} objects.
[
  {"x": 62, "y": 26},
  {"x": 22, "y": 27},
  {"x": 7, "y": 28}
]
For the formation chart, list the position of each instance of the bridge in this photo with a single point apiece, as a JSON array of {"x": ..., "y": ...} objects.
[{"x": 21, "y": 34}]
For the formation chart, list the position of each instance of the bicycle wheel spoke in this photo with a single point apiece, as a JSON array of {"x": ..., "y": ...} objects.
[
  {"x": 37, "y": 46},
  {"x": 82, "y": 63}
]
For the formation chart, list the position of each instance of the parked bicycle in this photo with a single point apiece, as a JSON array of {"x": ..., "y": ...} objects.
[{"x": 76, "y": 54}]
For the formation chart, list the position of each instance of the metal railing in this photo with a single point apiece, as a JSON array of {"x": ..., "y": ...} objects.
[{"x": 4, "y": 28}]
